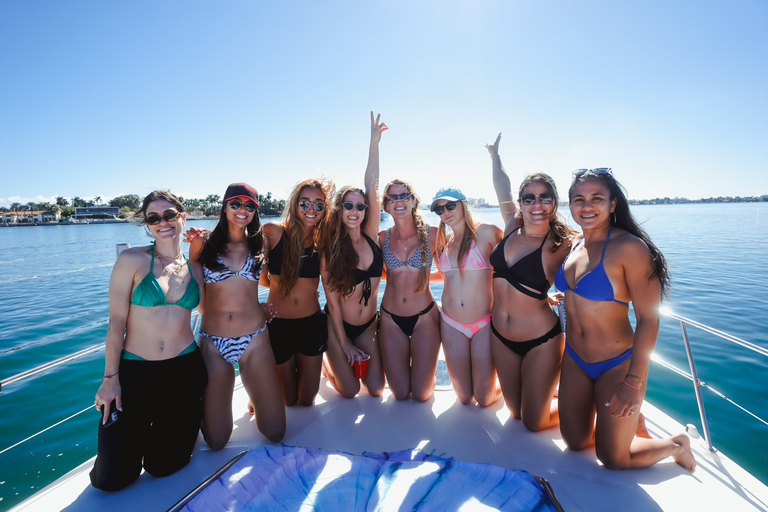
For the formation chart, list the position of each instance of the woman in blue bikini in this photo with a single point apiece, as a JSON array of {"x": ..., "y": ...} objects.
[
  {"x": 527, "y": 339},
  {"x": 605, "y": 366},
  {"x": 409, "y": 333},
  {"x": 154, "y": 373},
  {"x": 349, "y": 242},
  {"x": 234, "y": 325}
]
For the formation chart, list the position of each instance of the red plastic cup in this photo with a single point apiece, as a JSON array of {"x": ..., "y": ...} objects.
[{"x": 361, "y": 367}]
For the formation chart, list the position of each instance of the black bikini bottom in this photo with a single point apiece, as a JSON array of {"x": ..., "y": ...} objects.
[
  {"x": 523, "y": 347},
  {"x": 408, "y": 323}
]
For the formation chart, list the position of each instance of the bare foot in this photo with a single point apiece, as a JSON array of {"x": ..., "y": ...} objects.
[
  {"x": 642, "y": 431},
  {"x": 251, "y": 408},
  {"x": 685, "y": 456}
]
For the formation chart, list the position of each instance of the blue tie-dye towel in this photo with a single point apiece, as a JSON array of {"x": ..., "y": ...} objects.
[{"x": 296, "y": 479}]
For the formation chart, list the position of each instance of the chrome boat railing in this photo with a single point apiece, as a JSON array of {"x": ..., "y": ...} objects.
[{"x": 694, "y": 377}]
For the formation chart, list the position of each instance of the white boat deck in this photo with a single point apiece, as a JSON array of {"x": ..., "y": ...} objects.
[{"x": 444, "y": 427}]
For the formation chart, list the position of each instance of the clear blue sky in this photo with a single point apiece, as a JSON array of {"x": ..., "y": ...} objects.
[{"x": 107, "y": 98}]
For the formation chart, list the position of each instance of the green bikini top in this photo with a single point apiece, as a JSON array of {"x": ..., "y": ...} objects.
[{"x": 149, "y": 294}]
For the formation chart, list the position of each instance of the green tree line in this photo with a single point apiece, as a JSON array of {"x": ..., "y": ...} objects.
[{"x": 129, "y": 204}]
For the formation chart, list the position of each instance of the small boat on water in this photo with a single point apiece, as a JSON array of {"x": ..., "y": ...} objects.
[{"x": 444, "y": 427}]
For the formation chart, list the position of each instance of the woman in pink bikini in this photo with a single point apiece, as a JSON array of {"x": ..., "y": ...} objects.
[
  {"x": 467, "y": 297},
  {"x": 527, "y": 339}
]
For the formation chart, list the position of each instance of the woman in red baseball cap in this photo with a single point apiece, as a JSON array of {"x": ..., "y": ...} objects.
[{"x": 234, "y": 325}]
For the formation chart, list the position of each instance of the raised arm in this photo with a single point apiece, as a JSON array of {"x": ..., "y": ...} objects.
[
  {"x": 501, "y": 184},
  {"x": 372, "y": 177}
]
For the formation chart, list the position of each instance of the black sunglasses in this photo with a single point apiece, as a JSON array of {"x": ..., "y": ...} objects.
[
  {"x": 399, "y": 197},
  {"x": 168, "y": 215},
  {"x": 235, "y": 205},
  {"x": 440, "y": 210},
  {"x": 599, "y": 171},
  {"x": 306, "y": 205},
  {"x": 529, "y": 199},
  {"x": 348, "y": 205}
]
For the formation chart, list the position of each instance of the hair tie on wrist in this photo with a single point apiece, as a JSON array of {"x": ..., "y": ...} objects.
[
  {"x": 110, "y": 376},
  {"x": 630, "y": 385}
]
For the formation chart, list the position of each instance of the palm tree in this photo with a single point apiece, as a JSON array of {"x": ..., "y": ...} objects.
[
  {"x": 62, "y": 201},
  {"x": 97, "y": 200}
]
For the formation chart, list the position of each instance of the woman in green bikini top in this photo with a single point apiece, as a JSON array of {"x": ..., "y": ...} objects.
[{"x": 151, "y": 354}]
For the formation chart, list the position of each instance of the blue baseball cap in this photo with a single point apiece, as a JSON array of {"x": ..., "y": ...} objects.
[{"x": 449, "y": 194}]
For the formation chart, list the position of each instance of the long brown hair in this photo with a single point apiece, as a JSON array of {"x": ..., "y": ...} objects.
[
  {"x": 336, "y": 246},
  {"x": 422, "y": 228},
  {"x": 560, "y": 230},
  {"x": 294, "y": 232},
  {"x": 470, "y": 235}
]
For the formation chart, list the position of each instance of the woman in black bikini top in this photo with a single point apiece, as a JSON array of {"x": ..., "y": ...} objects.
[
  {"x": 527, "y": 342},
  {"x": 353, "y": 222}
]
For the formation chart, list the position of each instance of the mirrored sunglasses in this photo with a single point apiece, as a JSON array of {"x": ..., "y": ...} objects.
[
  {"x": 235, "y": 205},
  {"x": 348, "y": 205},
  {"x": 529, "y": 199},
  {"x": 168, "y": 215},
  {"x": 306, "y": 205},
  {"x": 440, "y": 210},
  {"x": 399, "y": 197}
]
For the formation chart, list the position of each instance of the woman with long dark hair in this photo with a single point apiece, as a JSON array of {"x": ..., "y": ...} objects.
[
  {"x": 605, "y": 366},
  {"x": 353, "y": 224},
  {"x": 154, "y": 376},
  {"x": 409, "y": 333},
  {"x": 527, "y": 337},
  {"x": 467, "y": 297},
  {"x": 234, "y": 325},
  {"x": 299, "y": 333}
]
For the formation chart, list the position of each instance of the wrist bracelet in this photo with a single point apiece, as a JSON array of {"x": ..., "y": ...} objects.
[
  {"x": 630, "y": 385},
  {"x": 633, "y": 376},
  {"x": 110, "y": 376}
]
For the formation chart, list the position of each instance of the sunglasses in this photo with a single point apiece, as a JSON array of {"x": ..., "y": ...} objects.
[
  {"x": 348, "y": 205},
  {"x": 529, "y": 199},
  {"x": 235, "y": 205},
  {"x": 399, "y": 197},
  {"x": 168, "y": 216},
  {"x": 306, "y": 205},
  {"x": 440, "y": 210},
  {"x": 599, "y": 171}
]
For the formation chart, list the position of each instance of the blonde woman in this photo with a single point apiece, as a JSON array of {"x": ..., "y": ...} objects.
[
  {"x": 462, "y": 257},
  {"x": 409, "y": 334}
]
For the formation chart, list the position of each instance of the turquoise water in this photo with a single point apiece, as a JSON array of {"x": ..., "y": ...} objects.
[{"x": 53, "y": 302}]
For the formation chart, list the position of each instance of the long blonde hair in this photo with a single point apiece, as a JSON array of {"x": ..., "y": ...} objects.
[
  {"x": 422, "y": 229},
  {"x": 294, "y": 232},
  {"x": 470, "y": 235}
]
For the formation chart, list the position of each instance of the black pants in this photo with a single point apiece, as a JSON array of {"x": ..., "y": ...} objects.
[{"x": 158, "y": 427}]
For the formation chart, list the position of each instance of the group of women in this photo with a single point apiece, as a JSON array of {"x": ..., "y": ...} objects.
[{"x": 499, "y": 332}]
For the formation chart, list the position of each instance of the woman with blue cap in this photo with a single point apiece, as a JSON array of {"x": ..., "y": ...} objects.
[{"x": 467, "y": 297}]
